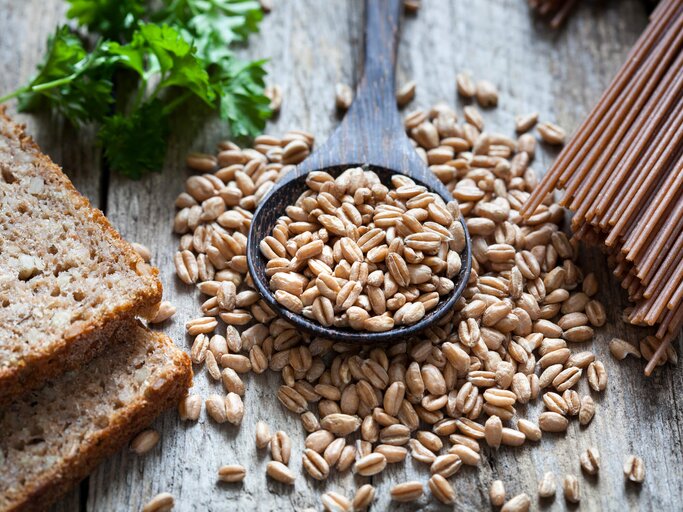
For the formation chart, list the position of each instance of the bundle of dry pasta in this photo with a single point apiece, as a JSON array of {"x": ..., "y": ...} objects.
[{"x": 623, "y": 177}]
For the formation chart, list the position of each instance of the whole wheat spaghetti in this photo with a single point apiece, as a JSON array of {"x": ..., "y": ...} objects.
[{"x": 623, "y": 178}]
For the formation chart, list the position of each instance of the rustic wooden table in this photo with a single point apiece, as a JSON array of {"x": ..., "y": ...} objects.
[{"x": 313, "y": 45}]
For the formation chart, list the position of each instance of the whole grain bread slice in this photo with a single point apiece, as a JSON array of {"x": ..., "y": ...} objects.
[
  {"x": 67, "y": 278},
  {"x": 53, "y": 437}
]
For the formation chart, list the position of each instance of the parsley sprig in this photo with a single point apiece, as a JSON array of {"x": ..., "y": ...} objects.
[{"x": 175, "y": 54}]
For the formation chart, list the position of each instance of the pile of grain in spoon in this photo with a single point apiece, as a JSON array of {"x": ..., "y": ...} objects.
[
  {"x": 520, "y": 334},
  {"x": 350, "y": 252}
]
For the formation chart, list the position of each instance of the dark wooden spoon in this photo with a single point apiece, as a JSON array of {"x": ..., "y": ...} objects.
[{"x": 371, "y": 135}]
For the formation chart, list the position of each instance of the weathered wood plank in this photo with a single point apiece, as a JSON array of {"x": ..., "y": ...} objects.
[
  {"x": 313, "y": 45},
  {"x": 559, "y": 74},
  {"x": 24, "y": 28}
]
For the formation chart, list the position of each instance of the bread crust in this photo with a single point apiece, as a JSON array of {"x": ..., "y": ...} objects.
[
  {"x": 123, "y": 425},
  {"x": 86, "y": 340}
]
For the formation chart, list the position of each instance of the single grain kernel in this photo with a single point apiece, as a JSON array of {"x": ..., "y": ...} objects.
[
  {"x": 407, "y": 491},
  {"x": 441, "y": 489},
  {"x": 144, "y": 441},
  {"x": 590, "y": 461},
  {"x": 343, "y": 96},
  {"x": 497, "y": 493},
  {"x": 570, "y": 486},
  {"x": 190, "y": 407},
  {"x": 263, "y": 435},
  {"x": 519, "y": 503},
  {"x": 162, "y": 502},
  {"x": 634, "y": 469},
  {"x": 335, "y": 502},
  {"x": 547, "y": 485},
  {"x": 278, "y": 471},
  {"x": 363, "y": 497},
  {"x": 231, "y": 473},
  {"x": 315, "y": 465},
  {"x": 371, "y": 464}
]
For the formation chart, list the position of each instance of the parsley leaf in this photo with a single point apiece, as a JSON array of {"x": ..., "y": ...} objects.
[
  {"x": 114, "y": 19},
  {"x": 157, "y": 51},
  {"x": 240, "y": 87},
  {"x": 70, "y": 80},
  {"x": 215, "y": 24},
  {"x": 136, "y": 144},
  {"x": 176, "y": 60},
  {"x": 172, "y": 54}
]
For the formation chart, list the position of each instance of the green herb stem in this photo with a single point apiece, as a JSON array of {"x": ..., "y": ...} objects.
[
  {"x": 38, "y": 88},
  {"x": 14, "y": 94},
  {"x": 53, "y": 84}
]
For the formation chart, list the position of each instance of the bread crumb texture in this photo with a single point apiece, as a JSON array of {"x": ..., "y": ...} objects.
[
  {"x": 53, "y": 437},
  {"x": 63, "y": 268}
]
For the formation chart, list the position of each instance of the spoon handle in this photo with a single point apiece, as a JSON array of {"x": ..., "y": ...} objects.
[{"x": 372, "y": 131}]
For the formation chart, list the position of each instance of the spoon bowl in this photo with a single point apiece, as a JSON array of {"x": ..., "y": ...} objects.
[
  {"x": 371, "y": 136},
  {"x": 264, "y": 221}
]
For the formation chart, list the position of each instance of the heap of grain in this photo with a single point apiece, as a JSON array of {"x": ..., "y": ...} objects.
[{"x": 516, "y": 335}]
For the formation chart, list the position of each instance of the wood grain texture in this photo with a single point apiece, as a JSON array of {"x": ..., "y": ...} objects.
[{"x": 313, "y": 45}]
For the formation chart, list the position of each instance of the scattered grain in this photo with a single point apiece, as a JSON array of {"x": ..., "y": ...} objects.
[
  {"x": 487, "y": 94},
  {"x": 144, "y": 441},
  {"x": 405, "y": 94},
  {"x": 621, "y": 349},
  {"x": 162, "y": 502},
  {"x": 335, "y": 502},
  {"x": 519, "y": 503},
  {"x": 231, "y": 473},
  {"x": 166, "y": 310},
  {"x": 587, "y": 410},
  {"x": 315, "y": 465},
  {"x": 407, "y": 491},
  {"x": 343, "y": 96},
  {"x": 570, "y": 487},
  {"x": 370, "y": 464},
  {"x": 547, "y": 486},
  {"x": 597, "y": 376},
  {"x": 274, "y": 94},
  {"x": 263, "y": 435},
  {"x": 190, "y": 407},
  {"x": 363, "y": 497},
  {"x": 497, "y": 493},
  {"x": 524, "y": 123},
  {"x": 465, "y": 85},
  {"x": 551, "y": 133},
  {"x": 280, "y": 447},
  {"x": 441, "y": 489},
  {"x": 278, "y": 471},
  {"x": 590, "y": 461},
  {"x": 634, "y": 469}
]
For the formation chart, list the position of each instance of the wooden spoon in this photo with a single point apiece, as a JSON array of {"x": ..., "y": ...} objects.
[{"x": 371, "y": 135}]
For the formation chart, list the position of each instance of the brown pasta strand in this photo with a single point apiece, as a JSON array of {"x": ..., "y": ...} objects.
[
  {"x": 559, "y": 171},
  {"x": 648, "y": 174},
  {"x": 645, "y": 154},
  {"x": 622, "y": 173},
  {"x": 665, "y": 196},
  {"x": 662, "y": 247},
  {"x": 641, "y": 110}
]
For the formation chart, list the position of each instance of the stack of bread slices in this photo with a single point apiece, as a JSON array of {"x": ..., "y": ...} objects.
[{"x": 79, "y": 373}]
